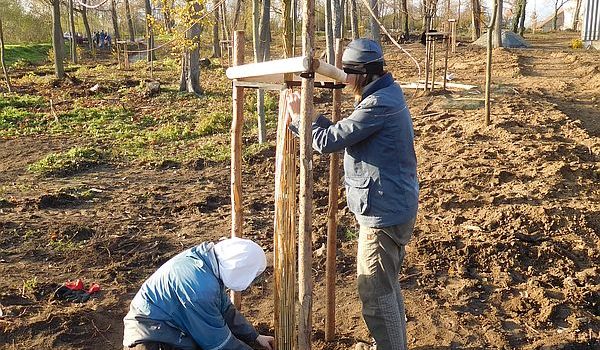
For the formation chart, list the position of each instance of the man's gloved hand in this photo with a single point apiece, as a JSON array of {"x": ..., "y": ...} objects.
[{"x": 266, "y": 341}]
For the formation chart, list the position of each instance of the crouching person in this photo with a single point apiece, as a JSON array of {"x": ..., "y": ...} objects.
[{"x": 184, "y": 306}]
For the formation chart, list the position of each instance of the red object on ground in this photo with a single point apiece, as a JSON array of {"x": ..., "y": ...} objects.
[
  {"x": 94, "y": 288},
  {"x": 74, "y": 285}
]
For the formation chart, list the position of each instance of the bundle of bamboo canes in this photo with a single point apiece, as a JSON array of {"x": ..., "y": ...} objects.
[{"x": 285, "y": 233}]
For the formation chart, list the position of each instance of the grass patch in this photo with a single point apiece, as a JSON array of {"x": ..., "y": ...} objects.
[
  {"x": 26, "y": 54},
  {"x": 21, "y": 101},
  {"x": 214, "y": 123},
  {"x": 212, "y": 151},
  {"x": 349, "y": 234},
  {"x": 68, "y": 163},
  {"x": 251, "y": 151}
]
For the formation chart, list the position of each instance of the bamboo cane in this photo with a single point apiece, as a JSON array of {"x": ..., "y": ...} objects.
[{"x": 236, "y": 152}]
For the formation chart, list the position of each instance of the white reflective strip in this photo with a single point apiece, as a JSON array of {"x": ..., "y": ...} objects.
[{"x": 220, "y": 346}]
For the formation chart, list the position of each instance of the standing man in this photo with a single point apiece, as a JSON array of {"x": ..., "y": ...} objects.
[
  {"x": 184, "y": 306},
  {"x": 380, "y": 172}
]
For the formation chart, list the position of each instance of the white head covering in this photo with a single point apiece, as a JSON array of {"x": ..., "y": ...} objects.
[{"x": 240, "y": 262}]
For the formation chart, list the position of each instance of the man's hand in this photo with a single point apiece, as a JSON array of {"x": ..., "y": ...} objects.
[
  {"x": 266, "y": 341},
  {"x": 293, "y": 107}
]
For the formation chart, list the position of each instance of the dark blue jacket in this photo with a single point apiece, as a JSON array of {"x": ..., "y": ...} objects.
[
  {"x": 184, "y": 304},
  {"x": 380, "y": 166}
]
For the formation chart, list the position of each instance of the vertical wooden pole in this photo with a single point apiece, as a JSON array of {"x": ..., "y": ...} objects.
[
  {"x": 447, "y": 42},
  {"x": 119, "y": 55},
  {"x": 126, "y": 54},
  {"x": 305, "y": 283},
  {"x": 427, "y": 59},
  {"x": 334, "y": 175},
  {"x": 454, "y": 37},
  {"x": 2, "y": 59},
  {"x": 236, "y": 150},
  {"x": 433, "y": 63}
]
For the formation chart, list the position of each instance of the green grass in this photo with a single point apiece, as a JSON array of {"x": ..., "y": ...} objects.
[
  {"x": 27, "y": 54},
  {"x": 67, "y": 163}
]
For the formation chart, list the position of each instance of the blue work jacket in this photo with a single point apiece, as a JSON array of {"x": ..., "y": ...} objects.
[
  {"x": 380, "y": 166},
  {"x": 184, "y": 303}
]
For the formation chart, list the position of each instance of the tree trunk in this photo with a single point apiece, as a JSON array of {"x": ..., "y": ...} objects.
[
  {"x": 498, "y": 26},
  {"x": 149, "y": 34},
  {"x": 86, "y": 24},
  {"x": 2, "y": 59},
  {"x": 236, "y": 13},
  {"x": 265, "y": 30},
  {"x": 375, "y": 33},
  {"x": 329, "y": 33},
  {"x": 517, "y": 16},
  {"x": 342, "y": 18},
  {"x": 488, "y": 69},
  {"x": 72, "y": 30},
  {"x": 522, "y": 19},
  {"x": 260, "y": 93},
  {"x": 190, "y": 72},
  {"x": 115, "y": 22},
  {"x": 337, "y": 21},
  {"x": 57, "y": 41},
  {"x": 129, "y": 21},
  {"x": 555, "y": 19},
  {"x": 354, "y": 20},
  {"x": 476, "y": 19},
  {"x": 287, "y": 28},
  {"x": 406, "y": 30},
  {"x": 294, "y": 25},
  {"x": 216, "y": 49},
  {"x": 576, "y": 15}
]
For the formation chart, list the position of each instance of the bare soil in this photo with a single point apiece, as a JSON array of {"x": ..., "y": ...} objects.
[{"x": 505, "y": 254}]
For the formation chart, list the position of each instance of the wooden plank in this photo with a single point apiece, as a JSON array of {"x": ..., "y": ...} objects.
[
  {"x": 287, "y": 65},
  {"x": 236, "y": 152},
  {"x": 334, "y": 177},
  {"x": 305, "y": 283}
]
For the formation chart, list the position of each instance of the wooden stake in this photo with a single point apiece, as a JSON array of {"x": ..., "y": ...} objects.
[
  {"x": 284, "y": 238},
  {"x": 2, "y": 59},
  {"x": 305, "y": 284},
  {"x": 427, "y": 59},
  {"x": 334, "y": 176},
  {"x": 447, "y": 42},
  {"x": 432, "y": 64},
  {"x": 236, "y": 151}
]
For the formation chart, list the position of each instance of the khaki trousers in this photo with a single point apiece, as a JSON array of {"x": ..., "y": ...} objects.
[{"x": 380, "y": 255}]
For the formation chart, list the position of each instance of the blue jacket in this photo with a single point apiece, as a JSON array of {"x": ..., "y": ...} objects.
[
  {"x": 184, "y": 304},
  {"x": 380, "y": 166}
]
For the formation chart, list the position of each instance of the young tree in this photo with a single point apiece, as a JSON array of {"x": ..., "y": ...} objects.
[
  {"x": 558, "y": 4},
  {"x": 405, "y": 28},
  {"x": 498, "y": 24},
  {"x": 375, "y": 33},
  {"x": 86, "y": 24},
  {"x": 115, "y": 22},
  {"x": 337, "y": 19},
  {"x": 518, "y": 8},
  {"x": 73, "y": 34},
  {"x": 287, "y": 28},
  {"x": 488, "y": 69},
  {"x": 57, "y": 40},
  {"x": 522, "y": 19},
  {"x": 2, "y": 58},
  {"x": 149, "y": 34},
  {"x": 575, "y": 22},
  {"x": 265, "y": 31},
  {"x": 258, "y": 57},
  {"x": 190, "y": 63},
  {"x": 216, "y": 49},
  {"x": 475, "y": 19},
  {"x": 354, "y": 19},
  {"x": 329, "y": 33},
  {"x": 129, "y": 21}
]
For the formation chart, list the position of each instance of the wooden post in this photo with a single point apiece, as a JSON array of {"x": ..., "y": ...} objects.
[
  {"x": 334, "y": 175},
  {"x": 126, "y": 55},
  {"x": 453, "y": 34},
  {"x": 433, "y": 63},
  {"x": 2, "y": 59},
  {"x": 119, "y": 54},
  {"x": 305, "y": 283},
  {"x": 236, "y": 151},
  {"x": 447, "y": 42},
  {"x": 427, "y": 59}
]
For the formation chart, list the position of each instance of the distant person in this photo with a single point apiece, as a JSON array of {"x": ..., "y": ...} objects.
[
  {"x": 380, "y": 172},
  {"x": 102, "y": 38},
  {"x": 96, "y": 38},
  {"x": 108, "y": 41},
  {"x": 184, "y": 306}
]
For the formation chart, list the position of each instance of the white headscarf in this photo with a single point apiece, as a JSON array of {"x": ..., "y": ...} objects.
[{"x": 240, "y": 262}]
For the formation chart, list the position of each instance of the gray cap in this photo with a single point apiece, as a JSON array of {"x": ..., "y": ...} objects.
[{"x": 362, "y": 55}]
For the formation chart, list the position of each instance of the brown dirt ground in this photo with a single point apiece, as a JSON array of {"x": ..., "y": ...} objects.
[{"x": 505, "y": 253}]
